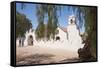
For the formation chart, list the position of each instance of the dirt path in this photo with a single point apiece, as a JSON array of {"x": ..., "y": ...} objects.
[{"x": 42, "y": 55}]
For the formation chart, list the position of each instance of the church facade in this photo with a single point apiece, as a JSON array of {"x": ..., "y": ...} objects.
[
  {"x": 67, "y": 38},
  {"x": 30, "y": 37}
]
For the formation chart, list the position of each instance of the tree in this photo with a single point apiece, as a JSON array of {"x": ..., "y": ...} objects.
[
  {"x": 23, "y": 24},
  {"x": 40, "y": 30},
  {"x": 89, "y": 15},
  {"x": 40, "y": 34},
  {"x": 91, "y": 28},
  {"x": 51, "y": 12}
]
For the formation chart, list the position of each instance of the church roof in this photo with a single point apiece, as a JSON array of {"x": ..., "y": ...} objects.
[{"x": 63, "y": 29}]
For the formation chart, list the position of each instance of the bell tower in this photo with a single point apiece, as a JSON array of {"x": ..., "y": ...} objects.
[{"x": 72, "y": 19}]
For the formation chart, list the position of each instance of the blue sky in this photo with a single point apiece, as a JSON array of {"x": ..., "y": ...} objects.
[{"x": 30, "y": 12}]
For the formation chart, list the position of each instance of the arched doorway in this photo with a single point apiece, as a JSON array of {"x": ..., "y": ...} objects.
[
  {"x": 30, "y": 40},
  {"x": 57, "y": 38}
]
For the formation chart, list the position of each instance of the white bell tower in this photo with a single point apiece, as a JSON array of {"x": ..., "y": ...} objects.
[{"x": 73, "y": 18}]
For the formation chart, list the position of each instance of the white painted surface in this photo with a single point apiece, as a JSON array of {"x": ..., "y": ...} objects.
[{"x": 72, "y": 43}]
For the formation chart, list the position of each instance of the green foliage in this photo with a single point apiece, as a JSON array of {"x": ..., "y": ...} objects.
[
  {"x": 91, "y": 28},
  {"x": 22, "y": 24},
  {"x": 90, "y": 17},
  {"x": 40, "y": 31},
  {"x": 50, "y": 27}
]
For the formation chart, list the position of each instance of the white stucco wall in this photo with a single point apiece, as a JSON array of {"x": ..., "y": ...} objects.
[{"x": 62, "y": 34}]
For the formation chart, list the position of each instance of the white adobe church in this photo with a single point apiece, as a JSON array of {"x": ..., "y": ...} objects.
[{"x": 68, "y": 38}]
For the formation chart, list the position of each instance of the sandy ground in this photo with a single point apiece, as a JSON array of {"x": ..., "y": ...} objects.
[{"x": 43, "y": 55}]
